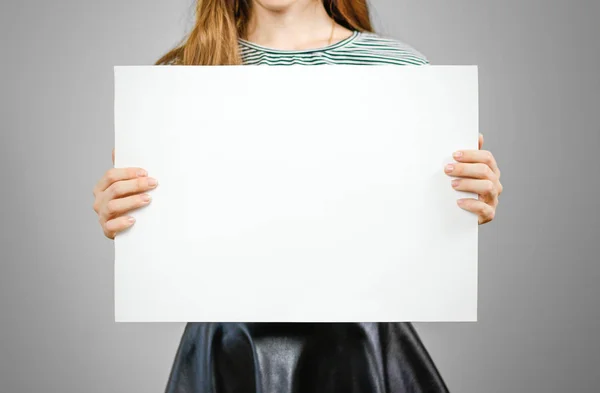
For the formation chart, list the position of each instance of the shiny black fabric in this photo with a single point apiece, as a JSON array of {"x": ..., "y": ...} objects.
[{"x": 302, "y": 358}]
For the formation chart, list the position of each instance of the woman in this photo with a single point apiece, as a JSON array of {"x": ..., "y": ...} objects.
[{"x": 299, "y": 358}]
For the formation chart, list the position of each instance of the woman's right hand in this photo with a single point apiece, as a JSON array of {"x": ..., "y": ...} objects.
[{"x": 118, "y": 192}]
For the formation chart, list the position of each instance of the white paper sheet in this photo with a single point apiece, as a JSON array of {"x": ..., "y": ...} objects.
[{"x": 297, "y": 193}]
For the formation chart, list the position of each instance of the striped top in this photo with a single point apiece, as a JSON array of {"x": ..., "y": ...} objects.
[{"x": 361, "y": 48}]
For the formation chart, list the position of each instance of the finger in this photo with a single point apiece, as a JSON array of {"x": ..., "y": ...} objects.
[
  {"x": 480, "y": 140},
  {"x": 125, "y": 188},
  {"x": 474, "y": 156},
  {"x": 470, "y": 170},
  {"x": 484, "y": 188},
  {"x": 119, "y": 224},
  {"x": 113, "y": 156},
  {"x": 117, "y": 174},
  {"x": 121, "y": 206},
  {"x": 484, "y": 211}
]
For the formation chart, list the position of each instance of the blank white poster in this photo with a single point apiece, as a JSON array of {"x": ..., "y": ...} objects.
[{"x": 296, "y": 194}]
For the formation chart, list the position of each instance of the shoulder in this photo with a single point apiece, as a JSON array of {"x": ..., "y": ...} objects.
[{"x": 373, "y": 48}]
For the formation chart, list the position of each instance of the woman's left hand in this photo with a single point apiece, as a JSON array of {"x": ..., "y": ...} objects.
[{"x": 478, "y": 173}]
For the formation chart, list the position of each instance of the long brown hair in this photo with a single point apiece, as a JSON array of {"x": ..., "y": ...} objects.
[{"x": 219, "y": 24}]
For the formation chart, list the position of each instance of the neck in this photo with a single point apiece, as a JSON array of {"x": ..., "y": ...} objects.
[{"x": 304, "y": 24}]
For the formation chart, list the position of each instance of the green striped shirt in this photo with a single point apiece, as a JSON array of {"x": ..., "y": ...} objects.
[{"x": 361, "y": 48}]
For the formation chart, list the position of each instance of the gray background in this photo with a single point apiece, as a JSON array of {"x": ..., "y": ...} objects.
[{"x": 539, "y": 272}]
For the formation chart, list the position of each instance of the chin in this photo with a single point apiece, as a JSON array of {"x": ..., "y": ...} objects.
[{"x": 277, "y": 5}]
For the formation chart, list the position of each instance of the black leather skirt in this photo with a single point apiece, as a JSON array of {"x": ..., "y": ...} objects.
[{"x": 302, "y": 358}]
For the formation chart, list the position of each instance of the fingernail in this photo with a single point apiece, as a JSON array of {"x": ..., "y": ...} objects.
[
  {"x": 145, "y": 197},
  {"x": 142, "y": 173},
  {"x": 455, "y": 183},
  {"x": 457, "y": 154},
  {"x": 130, "y": 220},
  {"x": 449, "y": 168},
  {"x": 152, "y": 182}
]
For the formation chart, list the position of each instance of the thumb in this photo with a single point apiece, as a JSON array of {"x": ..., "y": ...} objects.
[
  {"x": 480, "y": 140},
  {"x": 113, "y": 156}
]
